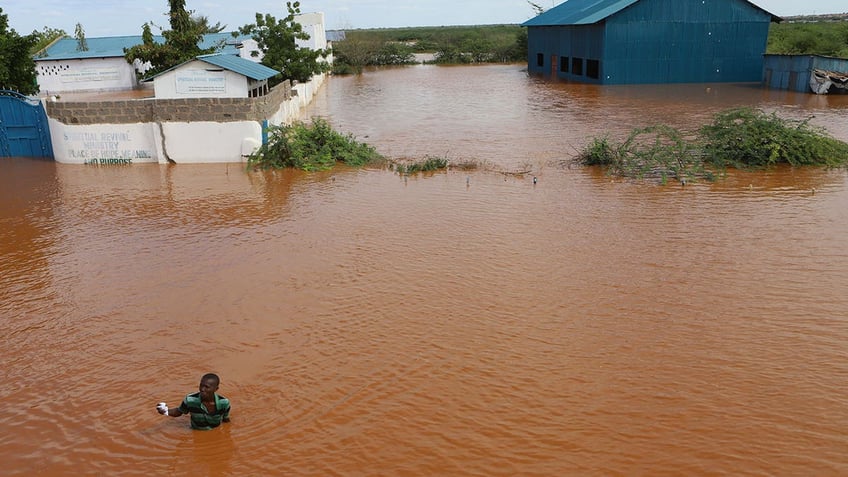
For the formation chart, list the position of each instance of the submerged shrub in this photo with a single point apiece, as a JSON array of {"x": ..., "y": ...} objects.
[
  {"x": 428, "y": 164},
  {"x": 656, "y": 151},
  {"x": 600, "y": 152},
  {"x": 738, "y": 138},
  {"x": 310, "y": 147},
  {"x": 748, "y": 137}
]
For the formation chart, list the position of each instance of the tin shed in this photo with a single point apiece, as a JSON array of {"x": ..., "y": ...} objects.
[{"x": 650, "y": 41}]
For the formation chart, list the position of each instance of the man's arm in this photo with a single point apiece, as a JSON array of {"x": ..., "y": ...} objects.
[
  {"x": 226, "y": 417},
  {"x": 174, "y": 411}
]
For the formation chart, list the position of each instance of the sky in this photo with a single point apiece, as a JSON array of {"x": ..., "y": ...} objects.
[{"x": 121, "y": 17}]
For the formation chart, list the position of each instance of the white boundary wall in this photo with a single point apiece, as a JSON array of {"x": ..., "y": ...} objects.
[{"x": 179, "y": 142}]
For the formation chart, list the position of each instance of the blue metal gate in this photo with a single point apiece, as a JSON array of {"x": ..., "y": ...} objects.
[{"x": 24, "y": 130}]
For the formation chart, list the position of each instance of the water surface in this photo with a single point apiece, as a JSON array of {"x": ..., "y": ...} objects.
[{"x": 460, "y": 323}]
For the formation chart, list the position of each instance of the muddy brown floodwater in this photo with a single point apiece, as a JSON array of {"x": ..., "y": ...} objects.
[{"x": 459, "y": 323}]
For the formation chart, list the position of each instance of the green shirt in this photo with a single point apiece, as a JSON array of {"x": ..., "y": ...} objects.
[{"x": 201, "y": 418}]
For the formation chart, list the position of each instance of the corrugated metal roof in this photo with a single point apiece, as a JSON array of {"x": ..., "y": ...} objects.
[
  {"x": 587, "y": 12},
  {"x": 579, "y": 12},
  {"x": 107, "y": 47},
  {"x": 252, "y": 70},
  {"x": 113, "y": 46}
]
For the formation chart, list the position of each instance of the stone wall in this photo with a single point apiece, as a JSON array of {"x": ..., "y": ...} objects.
[{"x": 221, "y": 110}]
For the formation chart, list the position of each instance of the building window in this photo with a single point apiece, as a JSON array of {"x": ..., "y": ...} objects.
[
  {"x": 563, "y": 65},
  {"x": 577, "y": 66},
  {"x": 593, "y": 69},
  {"x": 540, "y": 59}
]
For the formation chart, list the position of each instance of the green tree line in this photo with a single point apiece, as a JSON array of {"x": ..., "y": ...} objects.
[
  {"x": 447, "y": 44},
  {"x": 809, "y": 38}
]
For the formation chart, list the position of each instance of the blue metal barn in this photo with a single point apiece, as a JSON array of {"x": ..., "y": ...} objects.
[{"x": 650, "y": 41}]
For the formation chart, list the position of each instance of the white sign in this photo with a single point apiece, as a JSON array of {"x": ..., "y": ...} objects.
[
  {"x": 201, "y": 82},
  {"x": 90, "y": 73},
  {"x": 105, "y": 146}
]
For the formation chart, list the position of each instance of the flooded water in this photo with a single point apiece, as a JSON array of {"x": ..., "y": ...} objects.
[{"x": 459, "y": 323}]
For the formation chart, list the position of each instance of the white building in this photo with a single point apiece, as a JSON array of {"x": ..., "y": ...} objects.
[
  {"x": 214, "y": 76},
  {"x": 63, "y": 67},
  {"x": 313, "y": 25}
]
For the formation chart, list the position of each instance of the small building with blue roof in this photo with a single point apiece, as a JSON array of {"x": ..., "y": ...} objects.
[
  {"x": 218, "y": 75},
  {"x": 650, "y": 41}
]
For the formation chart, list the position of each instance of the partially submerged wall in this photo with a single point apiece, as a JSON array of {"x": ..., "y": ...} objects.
[{"x": 201, "y": 130}]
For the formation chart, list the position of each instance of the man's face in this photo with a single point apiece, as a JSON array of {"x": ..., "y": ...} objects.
[{"x": 208, "y": 387}]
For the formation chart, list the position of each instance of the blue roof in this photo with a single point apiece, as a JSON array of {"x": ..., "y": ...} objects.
[
  {"x": 251, "y": 69},
  {"x": 107, "y": 47},
  {"x": 587, "y": 12},
  {"x": 113, "y": 46}
]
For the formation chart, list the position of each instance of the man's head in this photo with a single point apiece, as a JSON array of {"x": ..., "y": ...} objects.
[{"x": 208, "y": 385}]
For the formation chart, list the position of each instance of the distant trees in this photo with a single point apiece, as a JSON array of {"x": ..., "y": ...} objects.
[
  {"x": 181, "y": 41},
  {"x": 17, "y": 67},
  {"x": 278, "y": 41},
  {"x": 448, "y": 45},
  {"x": 353, "y": 54},
  {"x": 812, "y": 38}
]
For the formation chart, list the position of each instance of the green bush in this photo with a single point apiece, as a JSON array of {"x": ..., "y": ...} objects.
[
  {"x": 656, "y": 151},
  {"x": 310, "y": 147},
  {"x": 748, "y": 137},
  {"x": 740, "y": 138}
]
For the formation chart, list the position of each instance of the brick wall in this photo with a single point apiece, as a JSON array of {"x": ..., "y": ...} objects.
[{"x": 153, "y": 110}]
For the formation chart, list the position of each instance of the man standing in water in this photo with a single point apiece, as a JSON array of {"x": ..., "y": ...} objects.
[{"x": 207, "y": 408}]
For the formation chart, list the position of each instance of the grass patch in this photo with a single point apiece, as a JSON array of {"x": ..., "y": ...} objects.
[{"x": 428, "y": 164}]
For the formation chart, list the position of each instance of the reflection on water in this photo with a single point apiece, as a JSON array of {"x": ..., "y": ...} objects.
[{"x": 453, "y": 323}]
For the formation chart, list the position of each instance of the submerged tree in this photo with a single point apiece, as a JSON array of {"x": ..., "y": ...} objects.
[
  {"x": 278, "y": 41},
  {"x": 17, "y": 66},
  {"x": 181, "y": 41}
]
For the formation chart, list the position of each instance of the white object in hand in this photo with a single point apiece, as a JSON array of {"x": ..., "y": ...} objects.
[{"x": 164, "y": 407}]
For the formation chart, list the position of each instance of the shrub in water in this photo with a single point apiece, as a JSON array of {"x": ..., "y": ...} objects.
[
  {"x": 748, "y": 137},
  {"x": 656, "y": 151},
  {"x": 738, "y": 138},
  {"x": 310, "y": 147},
  {"x": 427, "y": 165}
]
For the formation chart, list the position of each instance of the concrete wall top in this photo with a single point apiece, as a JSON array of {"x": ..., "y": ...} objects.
[{"x": 221, "y": 110}]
